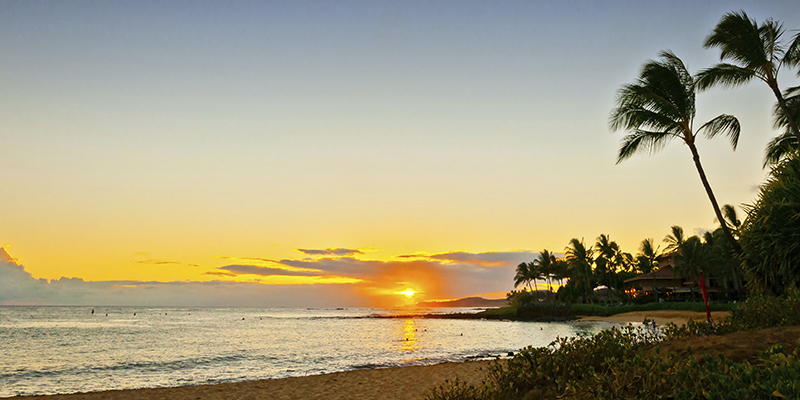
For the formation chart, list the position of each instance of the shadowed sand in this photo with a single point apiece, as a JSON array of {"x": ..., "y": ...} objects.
[
  {"x": 661, "y": 317},
  {"x": 413, "y": 382}
]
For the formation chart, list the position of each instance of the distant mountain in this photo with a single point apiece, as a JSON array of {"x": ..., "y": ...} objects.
[{"x": 465, "y": 302}]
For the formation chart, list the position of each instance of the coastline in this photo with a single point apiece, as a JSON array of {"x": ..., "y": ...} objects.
[{"x": 396, "y": 383}]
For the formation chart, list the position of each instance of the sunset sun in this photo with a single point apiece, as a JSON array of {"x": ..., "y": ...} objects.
[{"x": 408, "y": 292}]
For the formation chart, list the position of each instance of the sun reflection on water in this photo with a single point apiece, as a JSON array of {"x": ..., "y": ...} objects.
[{"x": 409, "y": 338}]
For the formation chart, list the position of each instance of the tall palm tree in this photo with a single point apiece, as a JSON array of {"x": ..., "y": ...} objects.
[
  {"x": 546, "y": 262},
  {"x": 692, "y": 259},
  {"x": 755, "y": 51},
  {"x": 659, "y": 107},
  {"x": 648, "y": 255},
  {"x": 580, "y": 260},
  {"x": 674, "y": 239},
  {"x": 523, "y": 275},
  {"x": 608, "y": 259},
  {"x": 648, "y": 259}
]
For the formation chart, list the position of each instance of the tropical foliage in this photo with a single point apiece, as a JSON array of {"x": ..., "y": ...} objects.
[
  {"x": 628, "y": 363},
  {"x": 771, "y": 233}
]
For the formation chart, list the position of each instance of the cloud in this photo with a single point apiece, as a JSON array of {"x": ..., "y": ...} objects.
[
  {"x": 6, "y": 258},
  {"x": 489, "y": 259},
  {"x": 435, "y": 277},
  {"x": 337, "y": 252},
  {"x": 256, "y": 270},
  {"x": 162, "y": 262},
  {"x": 18, "y": 286},
  {"x": 319, "y": 282}
]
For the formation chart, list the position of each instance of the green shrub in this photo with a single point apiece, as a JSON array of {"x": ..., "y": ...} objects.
[{"x": 619, "y": 364}]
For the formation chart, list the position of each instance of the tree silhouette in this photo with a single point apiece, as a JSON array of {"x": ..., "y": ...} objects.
[
  {"x": 756, "y": 52},
  {"x": 659, "y": 107}
]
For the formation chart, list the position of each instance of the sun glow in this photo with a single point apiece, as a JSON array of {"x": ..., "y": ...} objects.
[{"x": 408, "y": 293}]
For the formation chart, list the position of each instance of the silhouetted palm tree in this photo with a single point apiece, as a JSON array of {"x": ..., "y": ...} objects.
[
  {"x": 756, "y": 51},
  {"x": 674, "y": 239},
  {"x": 546, "y": 262},
  {"x": 729, "y": 213},
  {"x": 692, "y": 259},
  {"x": 608, "y": 259},
  {"x": 659, "y": 107},
  {"x": 648, "y": 255},
  {"x": 523, "y": 275},
  {"x": 580, "y": 260},
  {"x": 648, "y": 259}
]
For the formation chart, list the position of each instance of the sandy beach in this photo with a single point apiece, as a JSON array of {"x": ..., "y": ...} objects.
[
  {"x": 661, "y": 317},
  {"x": 401, "y": 383},
  {"x": 413, "y": 382}
]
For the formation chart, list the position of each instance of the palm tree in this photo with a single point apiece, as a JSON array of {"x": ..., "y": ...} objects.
[
  {"x": 648, "y": 255},
  {"x": 608, "y": 258},
  {"x": 579, "y": 259},
  {"x": 729, "y": 212},
  {"x": 648, "y": 259},
  {"x": 674, "y": 239},
  {"x": 756, "y": 51},
  {"x": 692, "y": 259},
  {"x": 546, "y": 262},
  {"x": 659, "y": 107},
  {"x": 523, "y": 275}
]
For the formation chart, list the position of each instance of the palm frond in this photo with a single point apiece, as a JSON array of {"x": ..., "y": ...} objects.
[
  {"x": 739, "y": 39},
  {"x": 729, "y": 213},
  {"x": 724, "y": 124},
  {"x": 780, "y": 148},
  {"x": 770, "y": 33},
  {"x": 726, "y": 75},
  {"x": 792, "y": 57},
  {"x": 792, "y": 98},
  {"x": 650, "y": 141}
]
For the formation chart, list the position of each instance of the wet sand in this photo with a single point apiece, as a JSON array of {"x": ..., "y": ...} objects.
[{"x": 414, "y": 382}]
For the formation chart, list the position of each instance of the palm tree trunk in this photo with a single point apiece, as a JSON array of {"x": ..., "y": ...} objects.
[
  {"x": 696, "y": 157},
  {"x": 782, "y": 104}
]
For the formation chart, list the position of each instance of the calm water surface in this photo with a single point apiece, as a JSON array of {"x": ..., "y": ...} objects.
[{"x": 48, "y": 350}]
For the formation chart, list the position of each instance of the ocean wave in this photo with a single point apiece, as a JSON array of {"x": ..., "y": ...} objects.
[{"x": 141, "y": 366}]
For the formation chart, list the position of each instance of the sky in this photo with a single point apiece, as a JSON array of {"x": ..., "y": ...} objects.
[{"x": 337, "y": 153}]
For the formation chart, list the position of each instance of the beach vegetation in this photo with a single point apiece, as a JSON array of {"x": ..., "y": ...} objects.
[{"x": 629, "y": 363}]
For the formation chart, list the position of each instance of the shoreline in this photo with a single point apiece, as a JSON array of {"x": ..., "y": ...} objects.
[
  {"x": 662, "y": 317},
  {"x": 394, "y": 383}
]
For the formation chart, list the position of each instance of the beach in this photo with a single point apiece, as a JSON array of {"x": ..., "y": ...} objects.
[
  {"x": 399, "y": 383},
  {"x": 661, "y": 317},
  {"x": 411, "y": 382}
]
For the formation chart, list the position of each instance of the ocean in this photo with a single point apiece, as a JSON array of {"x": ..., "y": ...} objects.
[{"x": 63, "y": 349}]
